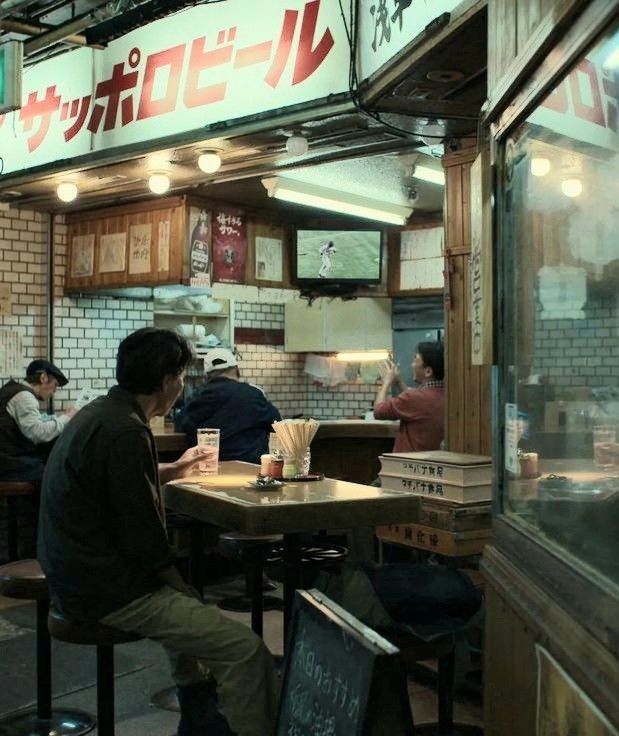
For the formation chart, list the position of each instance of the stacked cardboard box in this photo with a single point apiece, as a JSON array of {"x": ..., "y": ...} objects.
[{"x": 454, "y": 512}]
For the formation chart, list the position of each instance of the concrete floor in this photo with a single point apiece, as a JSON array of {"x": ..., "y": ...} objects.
[{"x": 136, "y": 717}]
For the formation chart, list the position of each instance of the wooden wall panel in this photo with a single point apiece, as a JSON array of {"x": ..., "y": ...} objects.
[
  {"x": 468, "y": 393},
  {"x": 120, "y": 219},
  {"x": 510, "y": 671}
]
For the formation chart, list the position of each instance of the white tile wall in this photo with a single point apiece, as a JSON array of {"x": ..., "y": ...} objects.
[
  {"x": 23, "y": 265},
  {"x": 87, "y": 329}
]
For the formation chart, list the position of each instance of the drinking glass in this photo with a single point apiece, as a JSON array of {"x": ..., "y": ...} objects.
[
  {"x": 208, "y": 437},
  {"x": 604, "y": 438}
]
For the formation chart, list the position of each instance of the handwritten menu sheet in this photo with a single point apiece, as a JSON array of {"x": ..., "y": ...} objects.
[
  {"x": 139, "y": 248},
  {"x": 268, "y": 259},
  {"x": 6, "y": 298},
  {"x": 83, "y": 255},
  {"x": 341, "y": 677},
  {"x": 112, "y": 252},
  {"x": 163, "y": 260},
  {"x": 11, "y": 353}
]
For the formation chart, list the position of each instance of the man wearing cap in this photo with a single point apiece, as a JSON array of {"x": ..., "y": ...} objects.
[
  {"x": 241, "y": 411},
  {"x": 25, "y": 431}
]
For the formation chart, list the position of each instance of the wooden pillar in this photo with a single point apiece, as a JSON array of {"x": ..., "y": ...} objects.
[{"x": 468, "y": 395}]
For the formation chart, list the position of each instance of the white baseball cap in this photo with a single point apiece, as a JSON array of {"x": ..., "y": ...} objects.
[{"x": 218, "y": 359}]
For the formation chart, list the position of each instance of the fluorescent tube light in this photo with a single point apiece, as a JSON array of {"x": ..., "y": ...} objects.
[
  {"x": 428, "y": 174},
  {"x": 333, "y": 200},
  {"x": 365, "y": 356}
]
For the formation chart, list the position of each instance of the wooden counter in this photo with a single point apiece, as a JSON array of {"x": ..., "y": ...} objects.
[
  {"x": 170, "y": 441},
  {"x": 346, "y": 449},
  {"x": 349, "y": 449}
]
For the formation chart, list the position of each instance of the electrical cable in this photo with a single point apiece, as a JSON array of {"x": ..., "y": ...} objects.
[{"x": 353, "y": 84}]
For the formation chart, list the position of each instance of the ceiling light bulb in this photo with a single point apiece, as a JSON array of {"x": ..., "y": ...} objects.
[
  {"x": 209, "y": 162},
  {"x": 571, "y": 187},
  {"x": 66, "y": 191},
  {"x": 159, "y": 183},
  {"x": 297, "y": 145},
  {"x": 540, "y": 166}
]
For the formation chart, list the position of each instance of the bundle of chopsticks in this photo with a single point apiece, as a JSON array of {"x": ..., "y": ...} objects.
[{"x": 295, "y": 435}]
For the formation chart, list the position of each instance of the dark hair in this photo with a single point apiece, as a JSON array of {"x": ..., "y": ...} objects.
[
  {"x": 146, "y": 356},
  {"x": 432, "y": 356}
]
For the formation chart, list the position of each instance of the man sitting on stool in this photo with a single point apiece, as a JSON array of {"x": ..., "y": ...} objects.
[{"x": 104, "y": 549}]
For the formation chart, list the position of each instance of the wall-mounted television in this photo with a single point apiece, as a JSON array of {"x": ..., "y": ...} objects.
[{"x": 338, "y": 257}]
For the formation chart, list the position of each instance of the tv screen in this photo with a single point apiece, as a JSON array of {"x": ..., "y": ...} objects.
[{"x": 339, "y": 256}]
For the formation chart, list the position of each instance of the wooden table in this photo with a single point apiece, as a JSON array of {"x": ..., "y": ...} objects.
[{"x": 227, "y": 501}]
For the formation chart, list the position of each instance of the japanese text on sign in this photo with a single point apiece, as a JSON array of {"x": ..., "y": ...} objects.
[{"x": 137, "y": 85}]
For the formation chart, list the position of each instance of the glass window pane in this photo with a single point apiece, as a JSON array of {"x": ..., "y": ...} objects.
[{"x": 559, "y": 225}]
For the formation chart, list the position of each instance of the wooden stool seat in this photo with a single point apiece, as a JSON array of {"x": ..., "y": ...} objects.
[
  {"x": 25, "y": 580},
  {"x": 254, "y": 551},
  {"x": 15, "y": 488},
  {"x": 104, "y": 638},
  {"x": 94, "y": 634},
  {"x": 233, "y": 543},
  {"x": 10, "y": 490},
  {"x": 415, "y": 648}
]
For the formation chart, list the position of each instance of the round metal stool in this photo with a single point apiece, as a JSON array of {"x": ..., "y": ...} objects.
[{"x": 25, "y": 579}]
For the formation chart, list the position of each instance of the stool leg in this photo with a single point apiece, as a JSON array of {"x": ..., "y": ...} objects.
[
  {"x": 253, "y": 572},
  {"x": 12, "y": 528},
  {"x": 44, "y": 662},
  {"x": 446, "y": 673},
  {"x": 105, "y": 690},
  {"x": 196, "y": 558}
]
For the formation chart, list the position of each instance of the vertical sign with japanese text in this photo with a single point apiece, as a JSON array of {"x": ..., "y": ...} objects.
[
  {"x": 229, "y": 246},
  {"x": 386, "y": 26},
  {"x": 480, "y": 263}
]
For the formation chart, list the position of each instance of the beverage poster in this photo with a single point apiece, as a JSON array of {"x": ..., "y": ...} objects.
[
  {"x": 199, "y": 245},
  {"x": 229, "y": 246}
]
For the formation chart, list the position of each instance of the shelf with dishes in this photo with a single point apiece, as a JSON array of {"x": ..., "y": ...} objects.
[{"x": 209, "y": 325}]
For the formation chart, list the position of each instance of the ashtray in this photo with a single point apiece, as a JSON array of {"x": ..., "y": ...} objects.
[{"x": 266, "y": 484}]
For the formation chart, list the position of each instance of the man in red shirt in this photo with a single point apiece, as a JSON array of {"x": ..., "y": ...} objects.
[{"x": 420, "y": 410}]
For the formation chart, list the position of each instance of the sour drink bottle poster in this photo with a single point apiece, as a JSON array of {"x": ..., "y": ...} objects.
[
  {"x": 199, "y": 261},
  {"x": 229, "y": 246}
]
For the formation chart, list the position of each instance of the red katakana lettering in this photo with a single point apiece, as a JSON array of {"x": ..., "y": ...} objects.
[
  {"x": 199, "y": 60},
  {"x": 610, "y": 84},
  {"x": 173, "y": 59},
  {"x": 112, "y": 89},
  {"x": 255, "y": 54},
  {"x": 41, "y": 110},
  {"x": 308, "y": 58},
  {"x": 283, "y": 48},
  {"x": 84, "y": 106},
  {"x": 591, "y": 112}
]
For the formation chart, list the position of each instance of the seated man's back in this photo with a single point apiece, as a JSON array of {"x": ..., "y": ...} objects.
[{"x": 241, "y": 411}]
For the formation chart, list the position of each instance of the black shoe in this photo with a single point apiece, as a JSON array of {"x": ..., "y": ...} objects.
[{"x": 200, "y": 715}]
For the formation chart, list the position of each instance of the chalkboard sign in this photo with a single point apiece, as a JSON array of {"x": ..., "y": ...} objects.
[{"x": 341, "y": 678}]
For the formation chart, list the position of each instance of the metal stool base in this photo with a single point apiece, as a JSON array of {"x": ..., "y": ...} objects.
[
  {"x": 166, "y": 699},
  {"x": 62, "y": 723},
  {"x": 243, "y": 604}
]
